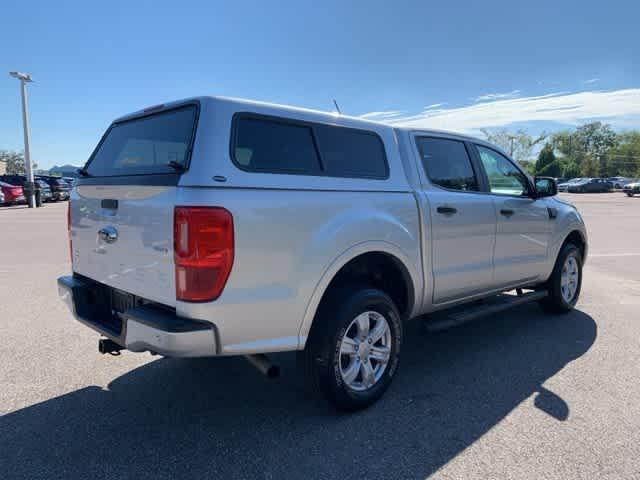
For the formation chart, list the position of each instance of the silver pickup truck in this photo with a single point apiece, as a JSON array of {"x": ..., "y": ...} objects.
[{"x": 216, "y": 226}]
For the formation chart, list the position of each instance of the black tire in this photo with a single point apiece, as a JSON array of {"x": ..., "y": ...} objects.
[
  {"x": 629, "y": 194},
  {"x": 555, "y": 302},
  {"x": 322, "y": 353}
]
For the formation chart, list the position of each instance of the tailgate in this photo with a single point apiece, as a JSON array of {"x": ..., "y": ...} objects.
[
  {"x": 122, "y": 236},
  {"x": 123, "y": 205}
]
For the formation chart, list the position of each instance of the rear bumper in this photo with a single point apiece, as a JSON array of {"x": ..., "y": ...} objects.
[{"x": 140, "y": 328}]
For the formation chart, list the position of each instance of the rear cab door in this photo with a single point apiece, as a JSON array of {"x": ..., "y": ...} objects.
[{"x": 462, "y": 218}]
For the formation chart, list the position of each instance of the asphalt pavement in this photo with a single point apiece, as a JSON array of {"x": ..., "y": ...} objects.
[{"x": 519, "y": 395}]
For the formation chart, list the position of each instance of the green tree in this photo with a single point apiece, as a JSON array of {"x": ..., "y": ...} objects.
[
  {"x": 14, "y": 161},
  {"x": 569, "y": 168},
  {"x": 547, "y": 164},
  {"x": 590, "y": 167},
  {"x": 625, "y": 157},
  {"x": 588, "y": 147},
  {"x": 596, "y": 138},
  {"x": 518, "y": 144},
  {"x": 566, "y": 144},
  {"x": 529, "y": 167}
]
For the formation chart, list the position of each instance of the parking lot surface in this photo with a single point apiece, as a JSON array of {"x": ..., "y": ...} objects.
[{"x": 518, "y": 395}]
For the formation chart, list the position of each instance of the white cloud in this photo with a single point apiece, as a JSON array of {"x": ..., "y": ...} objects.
[
  {"x": 592, "y": 80},
  {"x": 497, "y": 96},
  {"x": 392, "y": 115},
  {"x": 382, "y": 116},
  {"x": 621, "y": 108}
]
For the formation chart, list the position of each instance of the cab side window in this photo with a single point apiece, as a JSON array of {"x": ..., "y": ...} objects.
[
  {"x": 447, "y": 163},
  {"x": 280, "y": 145},
  {"x": 504, "y": 177},
  {"x": 263, "y": 145}
]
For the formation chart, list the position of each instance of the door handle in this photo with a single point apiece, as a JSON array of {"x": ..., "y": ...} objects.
[
  {"x": 447, "y": 210},
  {"x": 506, "y": 212}
]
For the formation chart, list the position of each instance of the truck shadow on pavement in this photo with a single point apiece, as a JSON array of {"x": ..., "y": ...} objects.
[{"x": 219, "y": 418}]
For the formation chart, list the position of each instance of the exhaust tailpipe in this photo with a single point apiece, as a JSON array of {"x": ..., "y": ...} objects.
[{"x": 264, "y": 365}]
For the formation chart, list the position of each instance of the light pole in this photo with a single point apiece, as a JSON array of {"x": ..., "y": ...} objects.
[
  {"x": 26, "y": 78},
  {"x": 512, "y": 138}
]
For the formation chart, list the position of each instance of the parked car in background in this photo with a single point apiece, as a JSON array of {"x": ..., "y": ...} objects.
[
  {"x": 564, "y": 186},
  {"x": 46, "y": 194},
  {"x": 12, "y": 194},
  {"x": 310, "y": 231},
  {"x": 631, "y": 189},
  {"x": 619, "y": 182},
  {"x": 21, "y": 180},
  {"x": 59, "y": 187},
  {"x": 590, "y": 185}
]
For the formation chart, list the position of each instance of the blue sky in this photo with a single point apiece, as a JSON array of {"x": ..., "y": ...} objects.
[{"x": 541, "y": 65}]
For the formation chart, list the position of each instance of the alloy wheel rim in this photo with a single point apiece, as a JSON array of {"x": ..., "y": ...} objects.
[
  {"x": 365, "y": 350},
  {"x": 569, "y": 279}
]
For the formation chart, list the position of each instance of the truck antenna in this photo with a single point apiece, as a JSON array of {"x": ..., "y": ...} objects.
[{"x": 337, "y": 107}]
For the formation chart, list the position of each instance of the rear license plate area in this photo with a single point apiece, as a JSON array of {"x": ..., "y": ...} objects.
[
  {"x": 121, "y": 301},
  {"x": 95, "y": 305}
]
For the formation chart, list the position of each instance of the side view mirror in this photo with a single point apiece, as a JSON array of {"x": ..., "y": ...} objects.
[{"x": 545, "y": 187}]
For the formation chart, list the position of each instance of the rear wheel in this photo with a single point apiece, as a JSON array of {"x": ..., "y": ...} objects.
[
  {"x": 629, "y": 194},
  {"x": 354, "y": 348},
  {"x": 565, "y": 282}
]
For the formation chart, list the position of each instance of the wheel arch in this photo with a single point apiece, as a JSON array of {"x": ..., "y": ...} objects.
[
  {"x": 577, "y": 238},
  {"x": 406, "y": 280}
]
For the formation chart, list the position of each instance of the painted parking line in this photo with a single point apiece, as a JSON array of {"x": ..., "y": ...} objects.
[{"x": 614, "y": 255}]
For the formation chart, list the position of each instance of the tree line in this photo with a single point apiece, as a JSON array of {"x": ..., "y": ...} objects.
[
  {"x": 14, "y": 162},
  {"x": 591, "y": 150}
]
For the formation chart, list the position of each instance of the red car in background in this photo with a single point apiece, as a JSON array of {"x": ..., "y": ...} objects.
[{"x": 12, "y": 193}]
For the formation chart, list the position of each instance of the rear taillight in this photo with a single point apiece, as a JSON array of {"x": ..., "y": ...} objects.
[
  {"x": 69, "y": 231},
  {"x": 203, "y": 251}
]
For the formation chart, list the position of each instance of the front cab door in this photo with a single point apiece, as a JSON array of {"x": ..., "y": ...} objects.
[{"x": 523, "y": 223}]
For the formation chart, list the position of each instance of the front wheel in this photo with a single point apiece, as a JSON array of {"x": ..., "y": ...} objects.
[
  {"x": 565, "y": 282},
  {"x": 354, "y": 348},
  {"x": 629, "y": 194}
]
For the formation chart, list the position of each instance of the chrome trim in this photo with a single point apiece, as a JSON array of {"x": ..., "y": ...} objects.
[{"x": 141, "y": 337}]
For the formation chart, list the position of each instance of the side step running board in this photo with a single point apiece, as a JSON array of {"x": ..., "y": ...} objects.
[{"x": 489, "y": 306}]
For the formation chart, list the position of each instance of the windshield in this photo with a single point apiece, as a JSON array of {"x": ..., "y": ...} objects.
[{"x": 147, "y": 145}]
